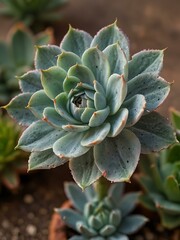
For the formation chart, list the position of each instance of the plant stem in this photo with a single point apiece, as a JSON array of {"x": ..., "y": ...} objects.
[{"x": 101, "y": 187}]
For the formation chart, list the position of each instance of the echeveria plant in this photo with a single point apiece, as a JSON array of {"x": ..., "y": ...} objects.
[
  {"x": 32, "y": 12},
  {"x": 109, "y": 218},
  {"x": 11, "y": 162},
  {"x": 89, "y": 103},
  {"x": 161, "y": 181},
  {"x": 16, "y": 57}
]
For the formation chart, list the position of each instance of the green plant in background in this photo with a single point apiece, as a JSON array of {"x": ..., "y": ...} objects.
[
  {"x": 11, "y": 162},
  {"x": 109, "y": 218},
  {"x": 89, "y": 103},
  {"x": 161, "y": 181},
  {"x": 32, "y": 12},
  {"x": 17, "y": 55}
]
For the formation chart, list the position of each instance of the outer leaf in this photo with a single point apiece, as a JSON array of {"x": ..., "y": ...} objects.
[
  {"x": 169, "y": 221},
  {"x": 110, "y": 35},
  {"x": 132, "y": 224},
  {"x": 172, "y": 190},
  {"x": 44, "y": 160},
  {"x": 116, "y": 92},
  {"x": 17, "y": 109},
  {"x": 53, "y": 118},
  {"x": 154, "y": 132},
  {"x": 38, "y": 102},
  {"x": 39, "y": 136},
  {"x": 115, "y": 192},
  {"x": 154, "y": 89},
  {"x": 128, "y": 203},
  {"x": 70, "y": 217},
  {"x": 10, "y": 178},
  {"x": 97, "y": 62},
  {"x": 76, "y": 41},
  {"x": 75, "y": 195},
  {"x": 46, "y": 56},
  {"x": 52, "y": 81},
  {"x": 69, "y": 146},
  {"x": 116, "y": 58},
  {"x": 67, "y": 60},
  {"x": 84, "y": 169},
  {"x": 30, "y": 82},
  {"x": 118, "y": 236},
  {"x": 117, "y": 157},
  {"x": 147, "y": 61},
  {"x": 175, "y": 118}
]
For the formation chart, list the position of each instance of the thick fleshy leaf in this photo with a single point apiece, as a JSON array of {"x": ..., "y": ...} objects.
[
  {"x": 76, "y": 41},
  {"x": 175, "y": 118},
  {"x": 95, "y": 135},
  {"x": 99, "y": 101},
  {"x": 39, "y": 136},
  {"x": 86, "y": 230},
  {"x": 10, "y": 178},
  {"x": 154, "y": 132},
  {"x": 69, "y": 146},
  {"x": 77, "y": 238},
  {"x": 107, "y": 230},
  {"x": 52, "y": 81},
  {"x": 53, "y": 118},
  {"x": 46, "y": 56},
  {"x": 61, "y": 102},
  {"x": 97, "y": 62},
  {"x": 17, "y": 109},
  {"x": 110, "y": 35},
  {"x": 75, "y": 195},
  {"x": 117, "y": 157},
  {"x": 118, "y": 236},
  {"x": 67, "y": 60},
  {"x": 86, "y": 115},
  {"x": 155, "y": 89},
  {"x": 135, "y": 106},
  {"x": 147, "y": 61},
  {"x": 38, "y": 102},
  {"x": 44, "y": 160},
  {"x": 117, "y": 122},
  {"x": 70, "y": 217},
  {"x": 30, "y": 81},
  {"x": 99, "y": 117},
  {"x": 132, "y": 224},
  {"x": 115, "y": 192},
  {"x": 75, "y": 128},
  {"x": 169, "y": 221},
  {"x": 116, "y": 92},
  {"x": 128, "y": 203},
  {"x": 70, "y": 83},
  {"x": 83, "y": 73},
  {"x": 84, "y": 169},
  {"x": 171, "y": 188},
  {"x": 117, "y": 59}
]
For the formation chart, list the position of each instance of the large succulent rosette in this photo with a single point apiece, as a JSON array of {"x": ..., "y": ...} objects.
[{"x": 86, "y": 102}]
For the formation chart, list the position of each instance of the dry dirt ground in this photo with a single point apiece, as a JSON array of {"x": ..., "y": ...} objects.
[{"x": 149, "y": 24}]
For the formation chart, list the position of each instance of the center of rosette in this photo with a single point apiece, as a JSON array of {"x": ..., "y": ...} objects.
[{"x": 80, "y": 100}]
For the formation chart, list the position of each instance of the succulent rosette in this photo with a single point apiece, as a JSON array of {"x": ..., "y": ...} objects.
[{"x": 88, "y": 103}]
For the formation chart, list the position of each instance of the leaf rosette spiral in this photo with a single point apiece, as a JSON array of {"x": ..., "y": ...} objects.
[{"x": 87, "y": 102}]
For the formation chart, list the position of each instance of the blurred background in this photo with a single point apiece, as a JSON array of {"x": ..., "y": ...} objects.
[{"x": 149, "y": 24}]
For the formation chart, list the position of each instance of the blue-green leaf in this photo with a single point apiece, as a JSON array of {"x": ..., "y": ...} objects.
[
  {"x": 135, "y": 106},
  {"x": 116, "y": 92},
  {"x": 38, "y": 102},
  {"x": 147, "y": 61},
  {"x": 99, "y": 117},
  {"x": 44, "y": 160},
  {"x": 39, "y": 136},
  {"x": 115, "y": 192},
  {"x": 117, "y": 59},
  {"x": 128, "y": 203},
  {"x": 76, "y": 41},
  {"x": 69, "y": 146},
  {"x": 75, "y": 195},
  {"x": 155, "y": 89},
  {"x": 30, "y": 81},
  {"x": 46, "y": 56},
  {"x": 67, "y": 60},
  {"x": 70, "y": 83},
  {"x": 17, "y": 109},
  {"x": 154, "y": 132},
  {"x": 117, "y": 157},
  {"x": 97, "y": 62},
  {"x": 109, "y": 35},
  {"x": 52, "y": 81}
]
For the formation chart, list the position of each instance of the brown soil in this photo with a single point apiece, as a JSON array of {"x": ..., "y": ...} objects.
[{"x": 148, "y": 24}]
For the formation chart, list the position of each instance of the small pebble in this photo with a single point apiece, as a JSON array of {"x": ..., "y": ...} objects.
[
  {"x": 31, "y": 230},
  {"x": 5, "y": 224},
  {"x": 30, "y": 215},
  {"x": 28, "y": 199},
  {"x": 43, "y": 211}
]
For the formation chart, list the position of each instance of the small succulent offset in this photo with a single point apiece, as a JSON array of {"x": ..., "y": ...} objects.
[
  {"x": 17, "y": 57},
  {"x": 11, "y": 162},
  {"x": 88, "y": 103},
  {"x": 161, "y": 181},
  {"x": 32, "y": 11},
  {"x": 95, "y": 219}
]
